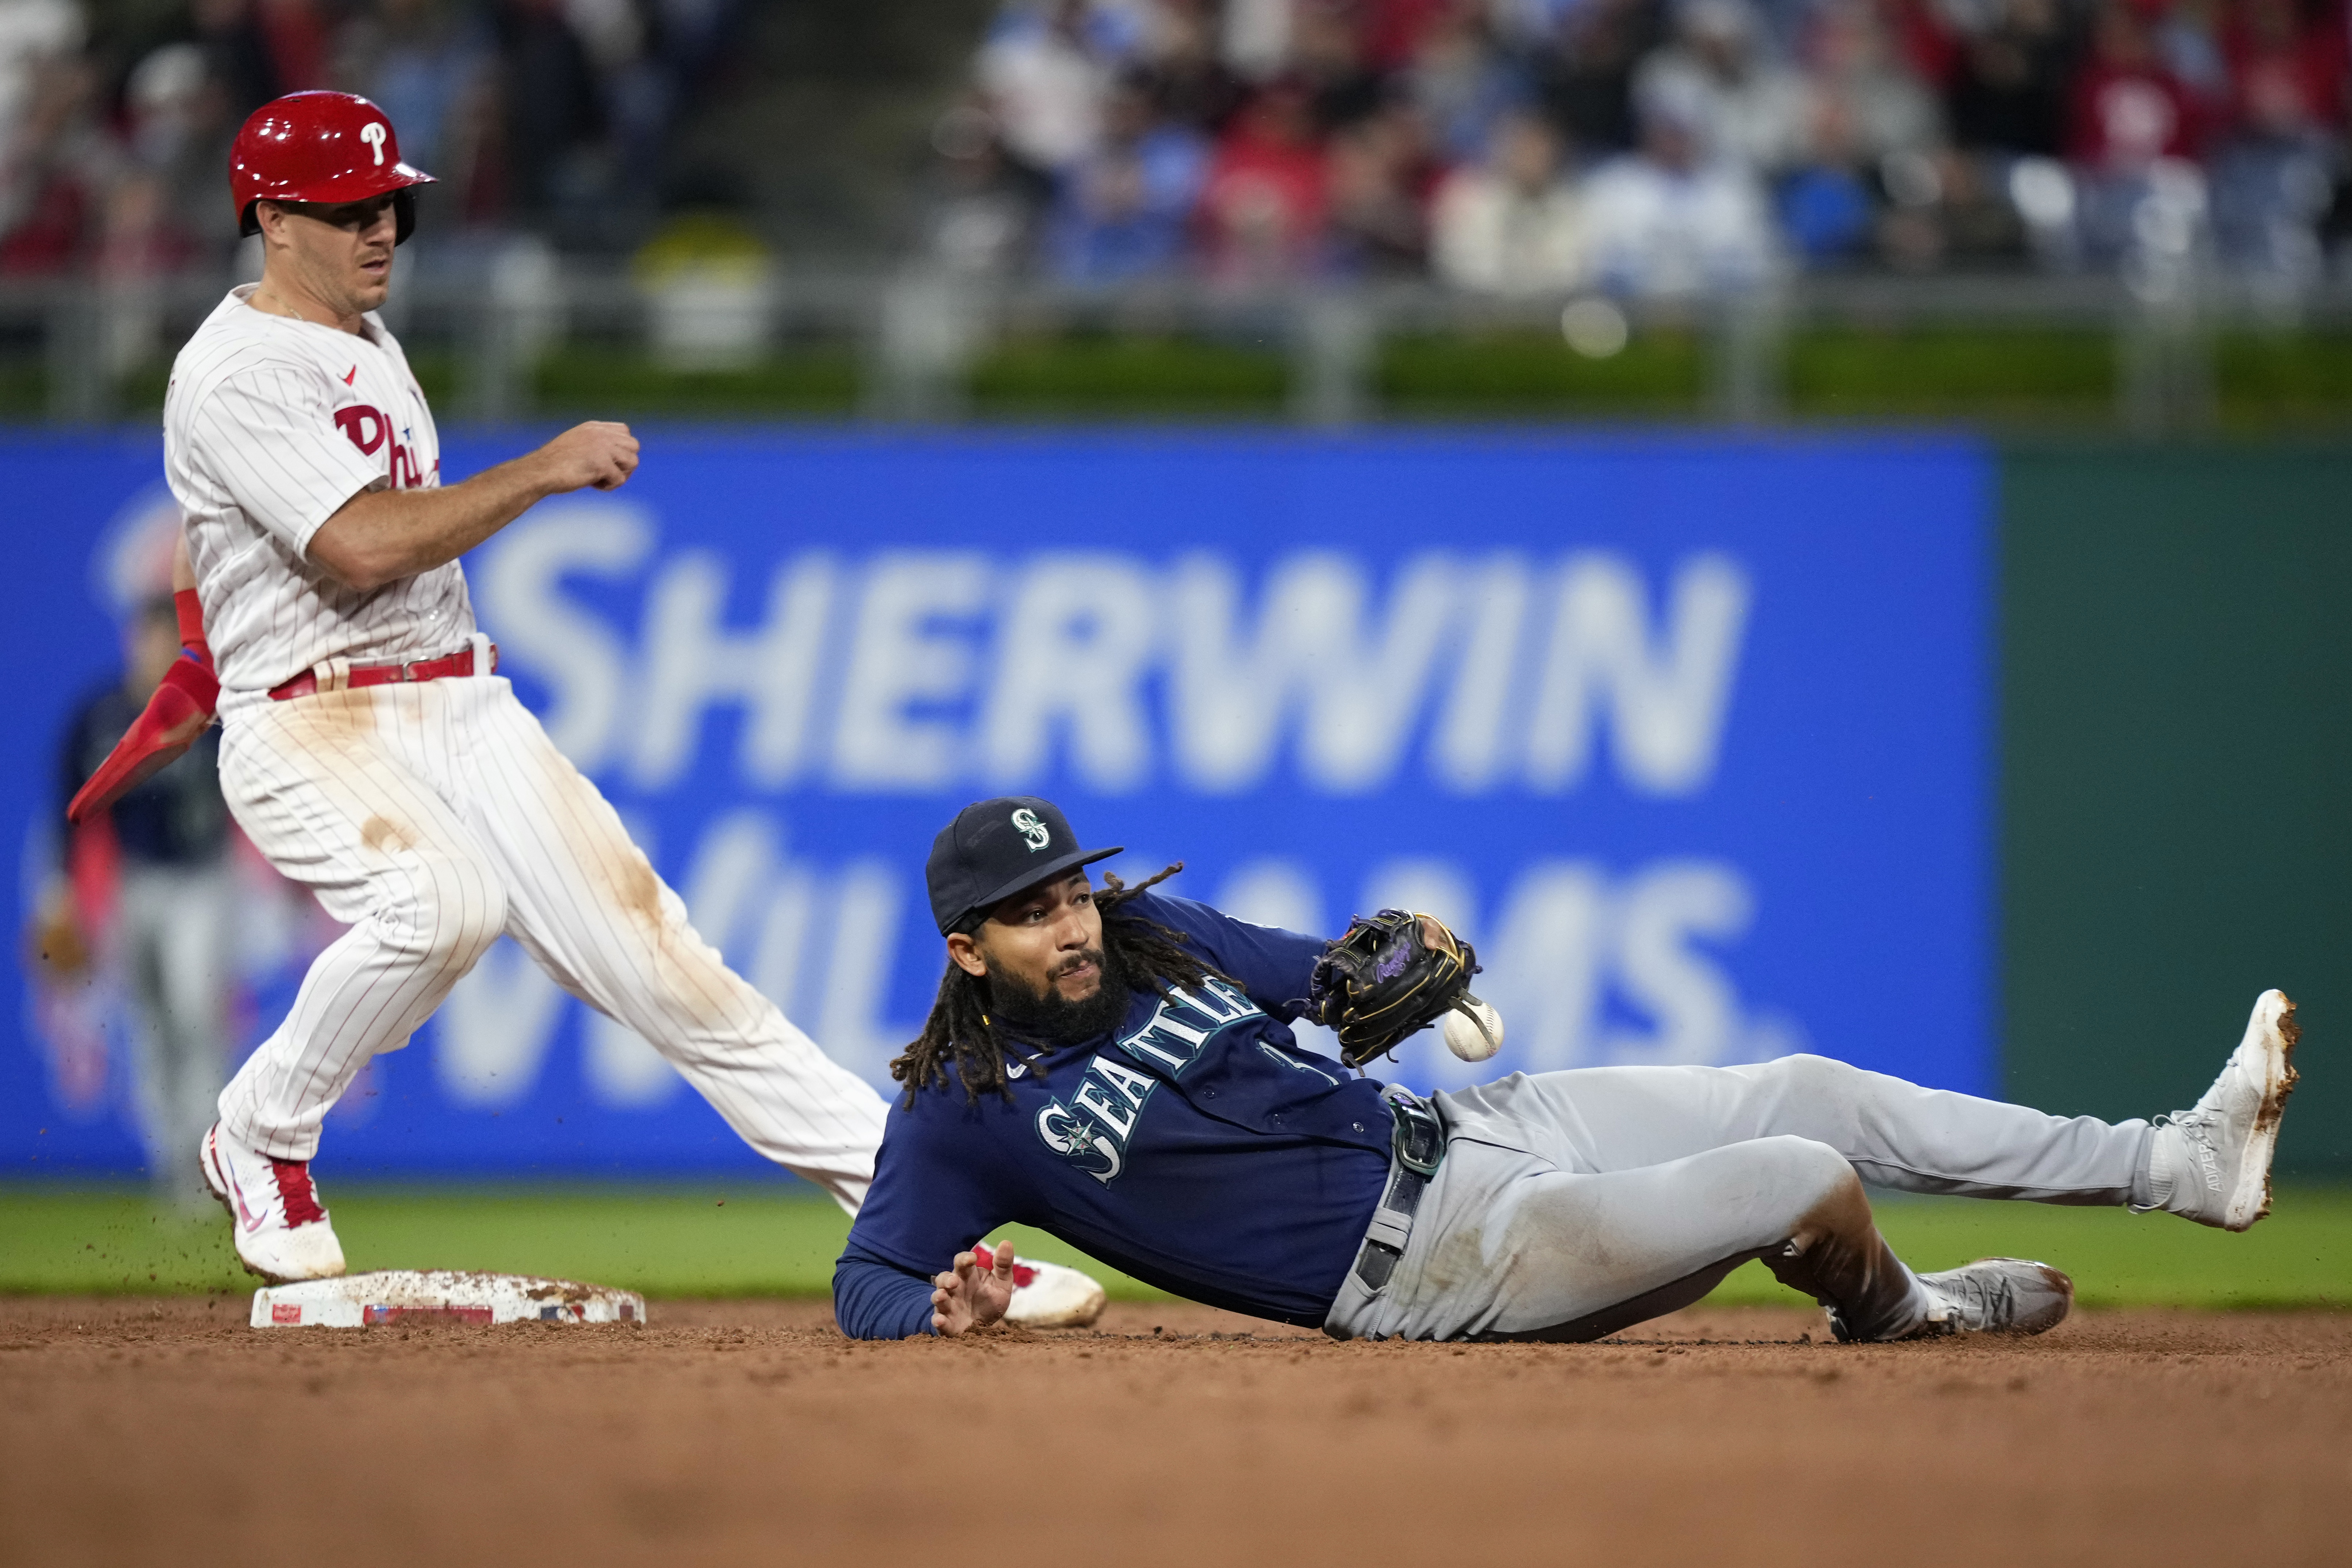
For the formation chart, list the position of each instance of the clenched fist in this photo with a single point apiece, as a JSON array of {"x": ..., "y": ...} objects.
[{"x": 599, "y": 453}]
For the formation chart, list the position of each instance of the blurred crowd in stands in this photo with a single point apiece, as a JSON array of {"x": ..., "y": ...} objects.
[
  {"x": 540, "y": 116},
  {"x": 1646, "y": 147}
]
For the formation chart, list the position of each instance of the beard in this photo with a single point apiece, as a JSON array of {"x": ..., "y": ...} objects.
[{"x": 1051, "y": 1019}]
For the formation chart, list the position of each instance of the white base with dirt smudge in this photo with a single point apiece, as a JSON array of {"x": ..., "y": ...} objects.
[{"x": 440, "y": 1295}]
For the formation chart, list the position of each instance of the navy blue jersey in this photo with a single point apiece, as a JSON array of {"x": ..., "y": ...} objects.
[
  {"x": 1197, "y": 1147},
  {"x": 175, "y": 819}
]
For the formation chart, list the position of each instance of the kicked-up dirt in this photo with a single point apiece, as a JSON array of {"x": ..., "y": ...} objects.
[{"x": 135, "y": 1432}]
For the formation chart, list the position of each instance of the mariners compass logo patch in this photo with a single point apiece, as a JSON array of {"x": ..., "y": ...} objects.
[{"x": 1032, "y": 830}]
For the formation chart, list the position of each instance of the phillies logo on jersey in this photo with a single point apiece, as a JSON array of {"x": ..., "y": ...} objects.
[{"x": 368, "y": 429}]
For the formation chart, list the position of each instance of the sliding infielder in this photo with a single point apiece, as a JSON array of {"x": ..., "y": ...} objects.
[
  {"x": 1116, "y": 1067},
  {"x": 369, "y": 749}
]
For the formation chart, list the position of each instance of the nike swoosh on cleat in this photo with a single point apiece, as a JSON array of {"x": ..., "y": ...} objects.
[{"x": 252, "y": 1221}]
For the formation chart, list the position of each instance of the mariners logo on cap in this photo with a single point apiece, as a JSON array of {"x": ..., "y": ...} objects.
[{"x": 975, "y": 864}]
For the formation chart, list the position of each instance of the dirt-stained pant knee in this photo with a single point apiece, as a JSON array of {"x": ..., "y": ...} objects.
[
  {"x": 432, "y": 816},
  {"x": 1509, "y": 1245},
  {"x": 1834, "y": 1253}
]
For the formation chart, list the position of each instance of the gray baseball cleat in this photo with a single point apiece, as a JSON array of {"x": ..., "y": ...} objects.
[
  {"x": 2211, "y": 1163},
  {"x": 1995, "y": 1296},
  {"x": 1991, "y": 1296}
]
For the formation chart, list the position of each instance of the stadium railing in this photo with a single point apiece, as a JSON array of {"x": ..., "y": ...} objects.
[{"x": 505, "y": 343}]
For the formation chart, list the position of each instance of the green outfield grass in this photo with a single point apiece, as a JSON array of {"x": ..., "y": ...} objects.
[
  {"x": 2026, "y": 379},
  {"x": 759, "y": 1238}
]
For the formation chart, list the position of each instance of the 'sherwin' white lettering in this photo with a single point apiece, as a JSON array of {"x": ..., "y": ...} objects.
[{"x": 1551, "y": 668}]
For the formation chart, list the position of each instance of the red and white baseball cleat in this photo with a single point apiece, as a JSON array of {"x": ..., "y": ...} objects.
[
  {"x": 282, "y": 1231},
  {"x": 1047, "y": 1295}
]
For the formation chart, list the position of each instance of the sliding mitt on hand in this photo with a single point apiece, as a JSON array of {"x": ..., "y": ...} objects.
[{"x": 177, "y": 713}]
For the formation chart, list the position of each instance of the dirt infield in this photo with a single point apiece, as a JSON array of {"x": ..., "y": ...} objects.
[{"x": 743, "y": 1432}]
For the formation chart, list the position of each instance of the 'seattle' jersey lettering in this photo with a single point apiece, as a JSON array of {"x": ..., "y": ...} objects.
[
  {"x": 271, "y": 425},
  {"x": 1126, "y": 1148},
  {"x": 1095, "y": 1135}
]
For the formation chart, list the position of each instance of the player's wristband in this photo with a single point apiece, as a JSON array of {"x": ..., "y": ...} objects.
[
  {"x": 191, "y": 611},
  {"x": 173, "y": 718}
]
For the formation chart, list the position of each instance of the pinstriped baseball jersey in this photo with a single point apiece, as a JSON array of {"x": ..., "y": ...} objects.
[
  {"x": 429, "y": 817},
  {"x": 271, "y": 426}
]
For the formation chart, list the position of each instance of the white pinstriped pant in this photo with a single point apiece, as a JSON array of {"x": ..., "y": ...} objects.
[{"x": 432, "y": 816}]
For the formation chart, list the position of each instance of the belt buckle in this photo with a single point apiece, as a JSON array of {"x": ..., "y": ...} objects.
[{"x": 1419, "y": 1138}]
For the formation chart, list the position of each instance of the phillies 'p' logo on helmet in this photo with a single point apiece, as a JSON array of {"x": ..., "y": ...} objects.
[{"x": 324, "y": 147}]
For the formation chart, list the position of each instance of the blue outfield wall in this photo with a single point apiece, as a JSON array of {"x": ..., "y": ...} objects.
[{"x": 1691, "y": 735}]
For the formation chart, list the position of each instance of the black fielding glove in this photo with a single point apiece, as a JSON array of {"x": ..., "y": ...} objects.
[{"x": 1379, "y": 982}]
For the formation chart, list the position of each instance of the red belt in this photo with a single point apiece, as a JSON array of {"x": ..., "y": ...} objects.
[{"x": 460, "y": 663}]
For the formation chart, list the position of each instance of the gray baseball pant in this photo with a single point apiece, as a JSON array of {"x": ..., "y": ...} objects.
[
  {"x": 1571, "y": 1204},
  {"x": 176, "y": 936}
]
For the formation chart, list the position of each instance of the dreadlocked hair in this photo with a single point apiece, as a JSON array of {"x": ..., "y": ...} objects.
[{"x": 959, "y": 1036}]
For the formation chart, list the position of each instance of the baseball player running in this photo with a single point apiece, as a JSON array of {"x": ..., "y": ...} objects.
[
  {"x": 165, "y": 919},
  {"x": 369, "y": 749},
  {"x": 1114, "y": 1068}
]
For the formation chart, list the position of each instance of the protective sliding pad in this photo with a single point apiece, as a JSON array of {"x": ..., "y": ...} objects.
[{"x": 440, "y": 1295}]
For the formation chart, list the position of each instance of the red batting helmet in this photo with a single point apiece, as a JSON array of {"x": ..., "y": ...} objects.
[{"x": 327, "y": 147}]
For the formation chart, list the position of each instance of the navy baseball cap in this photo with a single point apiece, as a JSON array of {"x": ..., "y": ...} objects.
[{"x": 993, "y": 849}]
